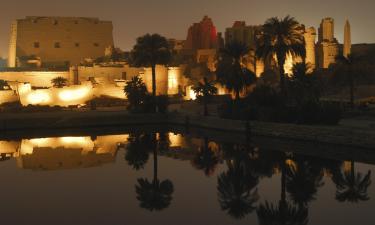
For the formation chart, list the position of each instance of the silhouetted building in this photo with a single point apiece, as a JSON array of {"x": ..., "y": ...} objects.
[
  {"x": 240, "y": 32},
  {"x": 202, "y": 35}
]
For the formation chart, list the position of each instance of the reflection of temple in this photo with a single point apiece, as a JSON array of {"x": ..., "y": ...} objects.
[{"x": 63, "y": 152}]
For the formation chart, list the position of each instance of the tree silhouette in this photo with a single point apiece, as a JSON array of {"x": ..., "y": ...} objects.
[
  {"x": 149, "y": 51},
  {"x": 205, "y": 159},
  {"x": 352, "y": 186},
  {"x": 138, "y": 149},
  {"x": 347, "y": 73},
  {"x": 237, "y": 186},
  {"x": 303, "y": 85},
  {"x": 136, "y": 93},
  {"x": 155, "y": 195},
  {"x": 204, "y": 92},
  {"x": 59, "y": 82},
  {"x": 284, "y": 212},
  {"x": 280, "y": 38},
  {"x": 230, "y": 71},
  {"x": 303, "y": 182}
]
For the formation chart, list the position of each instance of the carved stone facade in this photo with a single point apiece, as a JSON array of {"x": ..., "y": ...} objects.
[
  {"x": 58, "y": 40},
  {"x": 328, "y": 46}
]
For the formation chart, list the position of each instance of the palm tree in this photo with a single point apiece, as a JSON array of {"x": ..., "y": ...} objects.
[
  {"x": 149, "y": 51},
  {"x": 155, "y": 195},
  {"x": 237, "y": 187},
  {"x": 230, "y": 71},
  {"x": 303, "y": 84},
  {"x": 347, "y": 73},
  {"x": 59, "y": 82},
  {"x": 280, "y": 38},
  {"x": 206, "y": 159},
  {"x": 352, "y": 186},
  {"x": 204, "y": 91}
]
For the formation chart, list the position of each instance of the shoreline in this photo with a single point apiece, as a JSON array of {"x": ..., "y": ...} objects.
[{"x": 54, "y": 122}]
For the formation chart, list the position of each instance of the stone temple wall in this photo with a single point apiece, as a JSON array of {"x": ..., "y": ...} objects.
[{"x": 57, "y": 40}]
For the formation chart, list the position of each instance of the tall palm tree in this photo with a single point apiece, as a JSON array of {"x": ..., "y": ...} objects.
[
  {"x": 347, "y": 73},
  {"x": 204, "y": 91},
  {"x": 206, "y": 159},
  {"x": 352, "y": 186},
  {"x": 280, "y": 38},
  {"x": 230, "y": 71},
  {"x": 155, "y": 195},
  {"x": 237, "y": 190},
  {"x": 149, "y": 51}
]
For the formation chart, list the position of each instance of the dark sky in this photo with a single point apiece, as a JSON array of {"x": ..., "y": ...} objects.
[{"x": 171, "y": 18}]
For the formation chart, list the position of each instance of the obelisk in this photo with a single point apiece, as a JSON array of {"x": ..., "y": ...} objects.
[{"x": 347, "y": 40}]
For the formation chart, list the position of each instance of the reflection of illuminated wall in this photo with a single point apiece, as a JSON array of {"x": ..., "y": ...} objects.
[
  {"x": 66, "y": 152},
  {"x": 9, "y": 147}
]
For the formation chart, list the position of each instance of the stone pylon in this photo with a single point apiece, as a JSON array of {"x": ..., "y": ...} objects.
[{"x": 347, "y": 40}]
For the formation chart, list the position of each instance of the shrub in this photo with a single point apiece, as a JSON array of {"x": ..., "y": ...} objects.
[
  {"x": 59, "y": 82},
  {"x": 162, "y": 103}
]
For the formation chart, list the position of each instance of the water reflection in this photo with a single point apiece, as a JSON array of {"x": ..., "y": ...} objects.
[
  {"x": 351, "y": 186},
  {"x": 62, "y": 152},
  {"x": 155, "y": 194},
  {"x": 238, "y": 169}
]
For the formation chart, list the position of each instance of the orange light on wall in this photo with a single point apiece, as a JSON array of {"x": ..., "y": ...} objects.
[
  {"x": 38, "y": 97},
  {"x": 72, "y": 95}
]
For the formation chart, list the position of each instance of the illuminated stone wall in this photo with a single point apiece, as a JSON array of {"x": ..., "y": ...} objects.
[
  {"x": 310, "y": 37},
  {"x": 105, "y": 74},
  {"x": 8, "y": 96},
  {"x": 328, "y": 46},
  {"x": 347, "y": 40},
  {"x": 35, "y": 78},
  {"x": 72, "y": 95},
  {"x": 168, "y": 80},
  {"x": 57, "y": 40}
]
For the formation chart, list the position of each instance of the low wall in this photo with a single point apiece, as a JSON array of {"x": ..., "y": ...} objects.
[
  {"x": 8, "y": 96},
  {"x": 323, "y": 134},
  {"x": 72, "y": 95},
  {"x": 35, "y": 78}
]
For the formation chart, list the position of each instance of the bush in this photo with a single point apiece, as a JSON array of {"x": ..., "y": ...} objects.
[
  {"x": 106, "y": 101},
  {"x": 162, "y": 103},
  {"x": 266, "y": 104}
]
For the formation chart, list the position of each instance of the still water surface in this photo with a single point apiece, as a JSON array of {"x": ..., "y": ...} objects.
[{"x": 167, "y": 178}]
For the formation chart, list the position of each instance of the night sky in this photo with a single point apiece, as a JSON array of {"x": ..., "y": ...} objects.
[{"x": 171, "y": 18}]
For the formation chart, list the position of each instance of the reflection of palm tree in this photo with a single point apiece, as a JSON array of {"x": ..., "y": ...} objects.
[
  {"x": 138, "y": 150},
  {"x": 237, "y": 192},
  {"x": 284, "y": 213},
  {"x": 155, "y": 195},
  {"x": 352, "y": 187},
  {"x": 206, "y": 159},
  {"x": 303, "y": 182}
]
